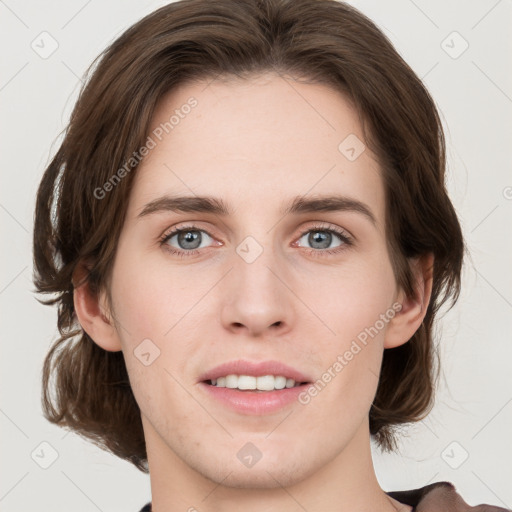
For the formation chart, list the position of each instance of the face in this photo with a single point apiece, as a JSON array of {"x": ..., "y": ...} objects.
[{"x": 304, "y": 294}]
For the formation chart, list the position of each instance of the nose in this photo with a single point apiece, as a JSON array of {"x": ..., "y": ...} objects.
[{"x": 257, "y": 298}]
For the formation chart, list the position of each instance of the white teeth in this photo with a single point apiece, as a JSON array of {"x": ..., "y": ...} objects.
[
  {"x": 231, "y": 381},
  {"x": 280, "y": 382},
  {"x": 246, "y": 382},
  {"x": 263, "y": 383}
]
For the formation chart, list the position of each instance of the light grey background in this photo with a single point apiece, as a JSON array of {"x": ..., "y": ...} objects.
[{"x": 473, "y": 90}]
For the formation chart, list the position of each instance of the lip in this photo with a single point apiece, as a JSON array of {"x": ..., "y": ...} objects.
[
  {"x": 242, "y": 367},
  {"x": 254, "y": 403}
]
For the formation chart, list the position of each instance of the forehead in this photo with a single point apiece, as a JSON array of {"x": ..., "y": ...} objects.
[{"x": 256, "y": 142}]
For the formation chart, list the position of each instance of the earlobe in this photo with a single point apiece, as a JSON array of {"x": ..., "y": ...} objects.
[
  {"x": 91, "y": 312},
  {"x": 408, "y": 320}
]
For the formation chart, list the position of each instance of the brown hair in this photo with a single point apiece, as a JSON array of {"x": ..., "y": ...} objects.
[{"x": 326, "y": 41}]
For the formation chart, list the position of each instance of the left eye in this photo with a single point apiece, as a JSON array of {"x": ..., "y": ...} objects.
[{"x": 322, "y": 238}]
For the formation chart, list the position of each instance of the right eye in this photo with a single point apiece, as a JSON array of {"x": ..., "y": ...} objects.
[{"x": 188, "y": 240}]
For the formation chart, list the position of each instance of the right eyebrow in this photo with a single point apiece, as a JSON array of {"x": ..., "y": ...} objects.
[{"x": 188, "y": 204}]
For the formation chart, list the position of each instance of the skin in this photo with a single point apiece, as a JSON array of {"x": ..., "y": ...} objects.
[{"x": 256, "y": 144}]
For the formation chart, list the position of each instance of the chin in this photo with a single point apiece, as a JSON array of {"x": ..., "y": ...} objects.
[
  {"x": 260, "y": 479},
  {"x": 262, "y": 475}
]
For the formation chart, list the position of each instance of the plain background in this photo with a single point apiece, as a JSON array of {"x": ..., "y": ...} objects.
[{"x": 466, "y": 438}]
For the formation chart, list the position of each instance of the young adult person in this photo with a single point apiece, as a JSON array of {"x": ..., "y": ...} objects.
[{"x": 249, "y": 235}]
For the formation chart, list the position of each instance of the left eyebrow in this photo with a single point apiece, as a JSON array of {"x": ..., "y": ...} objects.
[
  {"x": 216, "y": 206},
  {"x": 301, "y": 204}
]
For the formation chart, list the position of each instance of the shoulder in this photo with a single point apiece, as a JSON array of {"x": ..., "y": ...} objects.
[{"x": 439, "y": 497}]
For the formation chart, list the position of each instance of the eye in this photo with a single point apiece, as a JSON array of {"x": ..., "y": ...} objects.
[
  {"x": 321, "y": 238},
  {"x": 188, "y": 240}
]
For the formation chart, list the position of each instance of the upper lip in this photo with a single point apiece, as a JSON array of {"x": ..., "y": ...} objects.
[{"x": 258, "y": 369}]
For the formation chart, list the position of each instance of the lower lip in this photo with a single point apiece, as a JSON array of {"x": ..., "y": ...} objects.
[{"x": 255, "y": 403}]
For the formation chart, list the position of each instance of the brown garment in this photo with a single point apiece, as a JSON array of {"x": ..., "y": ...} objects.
[{"x": 439, "y": 497}]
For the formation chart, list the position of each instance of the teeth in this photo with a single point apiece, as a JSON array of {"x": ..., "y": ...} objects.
[
  {"x": 231, "y": 381},
  {"x": 264, "y": 383},
  {"x": 246, "y": 382},
  {"x": 279, "y": 382}
]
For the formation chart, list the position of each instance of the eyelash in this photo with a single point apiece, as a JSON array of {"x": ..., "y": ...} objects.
[{"x": 343, "y": 235}]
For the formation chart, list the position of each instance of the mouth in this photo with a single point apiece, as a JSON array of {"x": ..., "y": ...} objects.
[
  {"x": 256, "y": 376},
  {"x": 250, "y": 388}
]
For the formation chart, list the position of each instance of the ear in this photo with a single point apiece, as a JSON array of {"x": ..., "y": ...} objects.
[
  {"x": 92, "y": 311},
  {"x": 407, "y": 321}
]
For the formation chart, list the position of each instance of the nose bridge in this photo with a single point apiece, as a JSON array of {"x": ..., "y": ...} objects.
[
  {"x": 258, "y": 297},
  {"x": 255, "y": 266}
]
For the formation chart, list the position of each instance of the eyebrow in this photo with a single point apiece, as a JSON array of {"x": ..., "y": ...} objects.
[{"x": 216, "y": 206}]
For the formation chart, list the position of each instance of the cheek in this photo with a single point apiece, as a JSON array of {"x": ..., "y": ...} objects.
[
  {"x": 156, "y": 309},
  {"x": 149, "y": 300},
  {"x": 354, "y": 298},
  {"x": 356, "y": 305}
]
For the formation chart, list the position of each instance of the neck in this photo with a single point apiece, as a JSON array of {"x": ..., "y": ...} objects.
[{"x": 347, "y": 482}]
